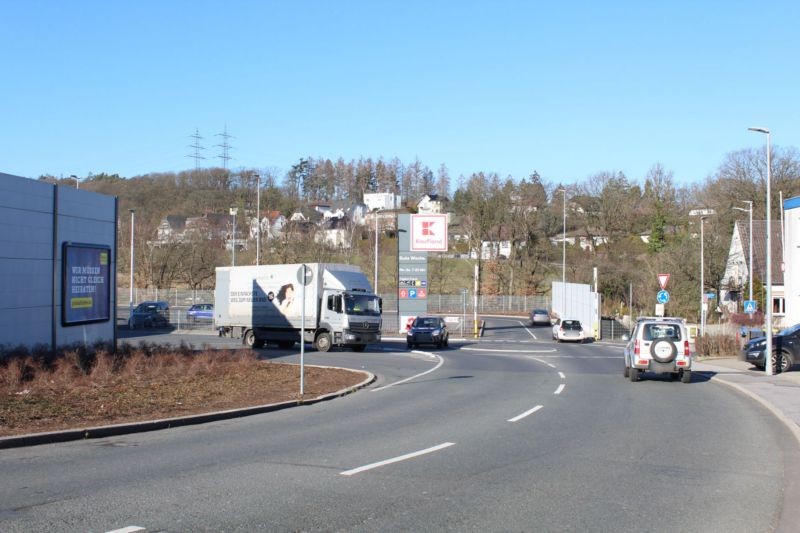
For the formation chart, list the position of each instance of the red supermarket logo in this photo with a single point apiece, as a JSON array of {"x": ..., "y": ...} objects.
[{"x": 428, "y": 233}]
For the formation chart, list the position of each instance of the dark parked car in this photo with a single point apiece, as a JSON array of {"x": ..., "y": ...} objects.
[
  {"x": 785, "y": 349},
  {"x": 540, "y": 317},
  {"x": 149, "y": 315},
  {"x": 200, "y": 313},
  {"x": 427, "y": 330}
]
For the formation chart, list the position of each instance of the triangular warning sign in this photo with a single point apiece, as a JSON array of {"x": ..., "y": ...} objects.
[{"x": 662, "y": 280}]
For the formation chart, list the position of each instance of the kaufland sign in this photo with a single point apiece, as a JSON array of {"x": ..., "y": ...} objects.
[{"x": 428, "y": 233}]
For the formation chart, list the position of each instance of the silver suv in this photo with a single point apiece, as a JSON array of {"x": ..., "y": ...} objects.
[{"x": 659, "y": 344}]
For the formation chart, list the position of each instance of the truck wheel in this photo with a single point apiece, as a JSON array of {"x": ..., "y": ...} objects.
[
  {"x": 359, "y": 347},
  {"x": 249, "y": 338},
  {"x": 323, "y": 342}
]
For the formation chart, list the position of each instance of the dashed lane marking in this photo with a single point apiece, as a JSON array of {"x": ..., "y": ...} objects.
[
  {"x": 397, "y": 459},
  {"x": 526, "y": 413}
]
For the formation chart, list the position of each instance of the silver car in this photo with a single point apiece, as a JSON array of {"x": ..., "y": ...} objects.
[
  {"x": 659, "y": 345},
  {"x": 540, "y": 317}
]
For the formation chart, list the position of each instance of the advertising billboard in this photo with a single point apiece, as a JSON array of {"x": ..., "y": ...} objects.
[{"x": 86, "y": 284}]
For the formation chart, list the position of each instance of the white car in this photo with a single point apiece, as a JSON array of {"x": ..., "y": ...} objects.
[
  {"x": 569, "y": 329},
  {"x": 661, "y": 345}
]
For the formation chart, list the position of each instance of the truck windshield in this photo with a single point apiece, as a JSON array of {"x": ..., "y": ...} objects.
[{"x": 361, "y": 304}]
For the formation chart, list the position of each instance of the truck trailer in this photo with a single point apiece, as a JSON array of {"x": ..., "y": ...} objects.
[{"x": 264, "y": 304}]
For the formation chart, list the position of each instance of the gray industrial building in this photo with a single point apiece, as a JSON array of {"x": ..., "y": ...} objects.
[{"x": 58, "y": 262}]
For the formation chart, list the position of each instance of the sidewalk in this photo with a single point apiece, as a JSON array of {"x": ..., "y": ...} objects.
[{"x": 779, "y": 393}]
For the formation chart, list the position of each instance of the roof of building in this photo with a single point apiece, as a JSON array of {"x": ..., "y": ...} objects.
[{"x": 760, "y": 248}]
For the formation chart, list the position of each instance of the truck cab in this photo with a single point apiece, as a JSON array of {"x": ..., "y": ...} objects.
[{"x": 349, "y": 318}]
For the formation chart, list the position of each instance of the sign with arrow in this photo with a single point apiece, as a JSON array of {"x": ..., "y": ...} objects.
[
  {"x": 662, "y": 280},
  {"x": 662, "y": 297}
]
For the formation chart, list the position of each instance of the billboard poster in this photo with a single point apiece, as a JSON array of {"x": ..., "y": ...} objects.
[{"x": 86, "y": 284}]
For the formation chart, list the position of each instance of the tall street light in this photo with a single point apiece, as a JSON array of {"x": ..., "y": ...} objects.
[
  {"x": 564, "y": 257},
  {"x": 703, "y": 214},
  {"x": 749, "y": 210},
  {"x": 77, "y": 181},
  {"x": 258, "y": 218},
  {"x": 768, "y": 304},
  {"x": 233, "y": 242},
  {"x": 133, "y": 217}
]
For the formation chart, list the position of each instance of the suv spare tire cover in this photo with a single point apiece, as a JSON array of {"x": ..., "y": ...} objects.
[{"x": 663, "y": 351}]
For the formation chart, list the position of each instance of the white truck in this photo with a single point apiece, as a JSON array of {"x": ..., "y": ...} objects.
[{"x": 264, "y": 304}]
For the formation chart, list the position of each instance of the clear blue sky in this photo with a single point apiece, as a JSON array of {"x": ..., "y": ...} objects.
[{"x": 566, "y": 88}]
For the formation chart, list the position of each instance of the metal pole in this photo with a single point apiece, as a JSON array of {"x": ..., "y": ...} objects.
[
  {"x": 564, "y": 260},
  {"x": 376, "y": 252},
  {"x": 702, "y": 282},
  {"x": 475, "y": 304},
  {"x": 302, "y": 329},
  {"x": 768, "y": 304},
  {"x": 133, "y": 218},
  {"x": 750, "y": 260},
  {"x": 258, "y": 219}
]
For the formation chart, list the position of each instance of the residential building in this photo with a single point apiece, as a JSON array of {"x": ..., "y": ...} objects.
[{"x": 382, "y": 201}]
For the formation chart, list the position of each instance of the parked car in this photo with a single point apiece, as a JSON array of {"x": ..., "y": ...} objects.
[
  {"x": 540, "y": 317},
  {"x": 785, "y": 349},
  {"x": 149, "y": 315},
  {"x": 200, "y": 313},
  {"x": 428, "y": 330},
  {"x": 659, "y": 344},
  {"x": 568, "y": 329}
]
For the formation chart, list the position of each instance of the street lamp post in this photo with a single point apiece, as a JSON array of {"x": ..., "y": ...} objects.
[
  {"x": 768, "y": 304},
  {"x": 564, "y": 257},
  {"x": 258, "y": 219},
  {"x": 133, "y": 217},
  {"x": 749, "y": 210},
  {"x": 77, "y": 181},
  {"x": 233, "y": 241},
  {"x": 703, "y": 214}
]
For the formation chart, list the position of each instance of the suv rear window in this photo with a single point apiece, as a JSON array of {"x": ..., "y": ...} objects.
[
  {"x": 571, "y": 324},
  {"x": 654, "y": 332}
]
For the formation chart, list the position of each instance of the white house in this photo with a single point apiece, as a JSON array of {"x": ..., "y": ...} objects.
[
  {"x": 736, "y": 279},
  {"x": 430, "y": 203},
  {"x": 382, "y": 201}
]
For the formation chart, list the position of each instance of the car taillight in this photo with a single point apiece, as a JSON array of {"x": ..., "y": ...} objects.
[
  {"x": 686, "y": 348},
  {"x": 636, "y": 347}
]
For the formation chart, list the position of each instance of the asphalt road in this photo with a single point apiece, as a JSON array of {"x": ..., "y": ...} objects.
[{"x": 512, "y": 432}]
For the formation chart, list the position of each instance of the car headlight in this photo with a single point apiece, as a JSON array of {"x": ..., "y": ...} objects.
[{"x": 437, "y": 332}]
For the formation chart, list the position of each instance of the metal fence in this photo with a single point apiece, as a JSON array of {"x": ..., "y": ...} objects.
[{"x": 458, "y": 308}]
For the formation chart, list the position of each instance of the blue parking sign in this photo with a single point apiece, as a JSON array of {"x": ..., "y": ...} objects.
[
  {"x": 750, "y": 306},
  {"x": 412, "y": 293}
]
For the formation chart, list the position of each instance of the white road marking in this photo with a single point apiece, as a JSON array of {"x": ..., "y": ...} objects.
[
  {"x": 551, "y": 350},
  {"x": 559, "y": 389},
  {"x": 128, "y": 529},
  {"x": 397, "y": 459},
  {"x": 529, "y": 331},
  {"x": 441, "y": 362},
  {"x": 526, "y": 413},
  {"x": 551, "y": 365},
  {"x": 561, "y": 375}
]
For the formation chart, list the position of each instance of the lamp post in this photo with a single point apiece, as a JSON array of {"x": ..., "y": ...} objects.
[
  {"x": 376, "y": 251},
  {"x": 77, "y": 181},
  {"x": 133, "y": 218},
  {"x": 703, "y": 214},
  {"x": 564, "y": 257},
  {"x": 749, "y": 210},
  {"x": 258, "y": 218},
  {"x": 768, "y": 304},
  {"x": 233, "y": 241}
]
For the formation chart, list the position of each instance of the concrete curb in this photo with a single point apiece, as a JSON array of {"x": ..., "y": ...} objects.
[{"x": 35, "y": 439}]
